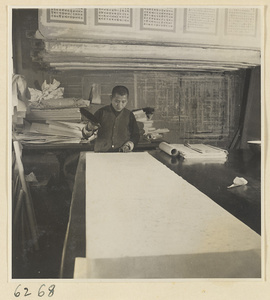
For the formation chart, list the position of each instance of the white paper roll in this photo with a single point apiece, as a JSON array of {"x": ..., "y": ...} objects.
[{"x": 169, "y": 149}]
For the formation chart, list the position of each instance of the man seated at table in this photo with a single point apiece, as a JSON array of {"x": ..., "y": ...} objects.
[{"x": 118, "y": 127}]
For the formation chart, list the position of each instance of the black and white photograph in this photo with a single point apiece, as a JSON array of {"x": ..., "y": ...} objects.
[{"x": 136, "y": 143}]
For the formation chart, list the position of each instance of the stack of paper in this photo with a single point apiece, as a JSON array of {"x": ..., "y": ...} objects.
[
  {"x": 58, "y": 103},
  {"x": 146, "y": 125},
  {"x": 49, "y": 104},
  {"x": 63, "y": 114},
  {"x": 52, "y": 132},
  {"x": 34, "y": 138},
  {"x": 56, "y": 128}
]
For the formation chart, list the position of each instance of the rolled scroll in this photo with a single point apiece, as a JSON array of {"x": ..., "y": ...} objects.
[{"x": 169, "y": 149}]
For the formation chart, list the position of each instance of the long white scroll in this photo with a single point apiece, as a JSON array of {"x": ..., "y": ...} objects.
[{"x": 137, "y": 207}]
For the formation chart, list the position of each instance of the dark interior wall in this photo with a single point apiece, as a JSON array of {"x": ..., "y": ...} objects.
[
  {"x": 196, "y": 107},
  {"x": 24, "y": 26},
  {"x": 252, "y": 116}
]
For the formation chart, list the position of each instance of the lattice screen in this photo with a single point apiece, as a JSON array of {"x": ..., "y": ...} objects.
[
  {"x": 114, "y": 16},
  {"x": 241, "y": 21},
  {"x": 201, "y": 20},
  {"x": 158, "y": 18},
  {"x": 74, "y": 15}
]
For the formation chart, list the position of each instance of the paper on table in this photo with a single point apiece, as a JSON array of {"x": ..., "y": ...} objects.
[{"x": 136, "y": 206}]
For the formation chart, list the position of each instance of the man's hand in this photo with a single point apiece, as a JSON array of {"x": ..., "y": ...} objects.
[
  {"x": 127, "y": 147},
  {"x": 90, "y": 131},
  {"x": 93, "y": 136}
]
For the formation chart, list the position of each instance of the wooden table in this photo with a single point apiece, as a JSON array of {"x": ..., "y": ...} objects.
[
  {"x": 144, "y": 144},
  {"x": 64, "y": 152},
  {"x": 212, "y": 179}
]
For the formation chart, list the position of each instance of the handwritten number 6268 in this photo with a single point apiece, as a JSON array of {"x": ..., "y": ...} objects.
[{"x": 41, "y": 291}]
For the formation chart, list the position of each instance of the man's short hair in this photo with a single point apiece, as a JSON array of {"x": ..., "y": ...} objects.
[{"x": 120, "y": 90}]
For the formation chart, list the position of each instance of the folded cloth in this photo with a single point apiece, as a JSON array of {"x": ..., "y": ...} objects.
[{"x": 238, "y": 181}]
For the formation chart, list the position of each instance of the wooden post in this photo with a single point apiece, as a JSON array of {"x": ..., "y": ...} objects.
[{"x": 28, "y": 200}]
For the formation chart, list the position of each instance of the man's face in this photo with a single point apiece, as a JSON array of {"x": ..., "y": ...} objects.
[{"x": 119, "y": 102}]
